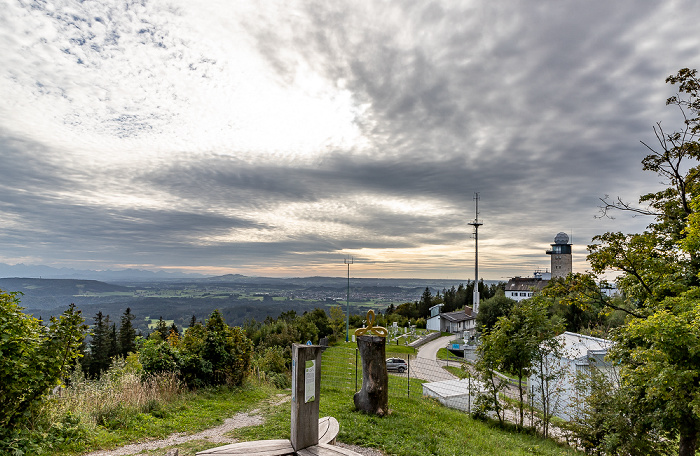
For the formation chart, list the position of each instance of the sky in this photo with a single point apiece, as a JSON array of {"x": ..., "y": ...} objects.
[{"x": 282, "y": 138}]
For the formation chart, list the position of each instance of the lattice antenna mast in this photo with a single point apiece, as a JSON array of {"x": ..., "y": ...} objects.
[
  {"x": 476, "y": 224},
  {"x": 347, "y": 313}
]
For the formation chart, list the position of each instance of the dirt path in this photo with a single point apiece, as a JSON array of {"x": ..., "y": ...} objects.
[{"x": 215, "y": 434}]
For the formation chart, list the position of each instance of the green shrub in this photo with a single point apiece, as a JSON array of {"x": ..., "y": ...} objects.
[{"x": 33, "y": 358}]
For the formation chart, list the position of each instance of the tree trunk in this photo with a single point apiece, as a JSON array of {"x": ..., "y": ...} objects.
[
  {"x": 374, "y": 396},
  {"x": 688, "y": 441}
]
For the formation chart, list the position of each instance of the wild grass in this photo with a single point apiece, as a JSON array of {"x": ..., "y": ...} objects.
[
  {"x": 119, "y": 393},
  {"x": 118, "y": 409}
]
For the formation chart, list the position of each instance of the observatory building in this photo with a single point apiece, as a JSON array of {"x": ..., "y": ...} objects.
[{"x": 561, "y": 256}]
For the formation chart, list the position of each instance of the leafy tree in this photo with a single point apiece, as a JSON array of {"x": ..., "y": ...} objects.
[
  {"x": 227, "y": 349},
  {"x": 656, "y": 349},
  {"x": 34, "y": 357},
  {"x": 491, "y": 310},
  {"x": 660, "y": 363},
  {"x": 606, "y": 422},
  {"x": 515, "y": 342}
]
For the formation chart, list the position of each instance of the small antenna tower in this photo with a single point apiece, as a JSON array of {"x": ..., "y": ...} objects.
[
  {"x": 347, "y": 313},
  {"x": 476, "y": 224}
]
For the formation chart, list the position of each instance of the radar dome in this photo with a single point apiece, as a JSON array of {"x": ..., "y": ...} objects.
[{"x": 561, "y": 238}]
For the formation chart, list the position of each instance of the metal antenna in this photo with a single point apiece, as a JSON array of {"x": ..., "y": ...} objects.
[
  {"x": 347, "y": 314},
  {"x": 476, "y": 224}
]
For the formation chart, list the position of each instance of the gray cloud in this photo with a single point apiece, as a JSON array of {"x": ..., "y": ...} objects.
[{"x": 538, "y": 107}]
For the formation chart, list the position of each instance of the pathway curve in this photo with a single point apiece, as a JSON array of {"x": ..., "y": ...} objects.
[{"x": 426, "y": 365}]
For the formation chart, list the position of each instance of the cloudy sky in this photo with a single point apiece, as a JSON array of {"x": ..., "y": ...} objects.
[{"x": 278, "y": 138}]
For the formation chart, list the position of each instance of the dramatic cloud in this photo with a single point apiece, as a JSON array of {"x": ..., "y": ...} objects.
[{"x": 265, "y": 138}]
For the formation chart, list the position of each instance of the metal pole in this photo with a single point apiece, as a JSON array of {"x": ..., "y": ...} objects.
[
  {"x": 347, "y": 313},
  {"x": 356, "y": 350},
  {"x": 408, "y": 377},
  {"x": 476, "y": 224}
]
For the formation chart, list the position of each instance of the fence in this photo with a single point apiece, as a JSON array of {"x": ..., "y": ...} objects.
[
  {"x": 342, "y": 369},
  {"x": 441, "y": 379}
]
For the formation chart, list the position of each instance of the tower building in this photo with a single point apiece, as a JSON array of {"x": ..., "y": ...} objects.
[{"x": 561, "y": 256}]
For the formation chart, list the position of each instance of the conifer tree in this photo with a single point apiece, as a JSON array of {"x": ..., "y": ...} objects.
[{"x": 127, "y": 334}]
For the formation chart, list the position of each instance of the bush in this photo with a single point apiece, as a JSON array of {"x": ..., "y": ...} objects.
[{"x": 33, "y": 358}]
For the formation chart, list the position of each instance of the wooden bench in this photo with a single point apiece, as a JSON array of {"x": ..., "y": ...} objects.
[{"x": 328, "y": 429}]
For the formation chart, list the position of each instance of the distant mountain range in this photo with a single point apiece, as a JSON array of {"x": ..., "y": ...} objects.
[
  {"x": 123, "y": 275},
  {"x": 139, "y": 275}
]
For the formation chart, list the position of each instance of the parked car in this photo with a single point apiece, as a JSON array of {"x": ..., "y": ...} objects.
[{"x": 396, "y": 364}]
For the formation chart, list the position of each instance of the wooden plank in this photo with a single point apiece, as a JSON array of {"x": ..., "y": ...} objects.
[
  {"x": 328, "y": 429},
  {"x": 323, "y": 449},
  {"x": 256, "y": 448},
  {"x": 304, "y": 423}
]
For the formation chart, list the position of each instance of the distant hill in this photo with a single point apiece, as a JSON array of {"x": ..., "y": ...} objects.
[
  {"x": 63, "y": 287},
  {"x": 54, "y": 293},
  {"x": 133, "y": 275}
]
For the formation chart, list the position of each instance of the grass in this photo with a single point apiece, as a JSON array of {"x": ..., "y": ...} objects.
[
  {"x": 188, "y": 412},
  {"x": 443, "y": 353},
  {"x": 415, "y": 427}
]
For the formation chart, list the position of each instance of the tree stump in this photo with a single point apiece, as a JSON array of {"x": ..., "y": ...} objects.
[{"x": 374, "y": 396}]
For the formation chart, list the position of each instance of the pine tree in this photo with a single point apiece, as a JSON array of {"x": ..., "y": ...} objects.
[
  {"x": 100, "y": 346},
  {"x": 127, "y": 334}
]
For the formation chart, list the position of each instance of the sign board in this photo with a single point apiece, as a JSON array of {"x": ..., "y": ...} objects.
[
  {"x": 310, "y": 381},
  {"x": 308, "y": 342},
  {"x": 455, "y": 346},
  {"x": 294, "y": 379}
]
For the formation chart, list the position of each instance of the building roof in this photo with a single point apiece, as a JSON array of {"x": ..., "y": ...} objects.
[
  {"x": 577, "y": 346},
  {"x": 526, "y": 284},
  {"x": 460, "y": 315}
]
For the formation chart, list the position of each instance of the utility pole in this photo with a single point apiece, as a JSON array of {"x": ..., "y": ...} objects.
[
  {"x": 476, "y": 224},
  {"x": 347, "y": 312}
]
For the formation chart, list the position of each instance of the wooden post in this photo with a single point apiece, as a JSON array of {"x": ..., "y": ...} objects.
[
  {"x": 374, "y": 396},
  {"x": 306, "y": 390}
]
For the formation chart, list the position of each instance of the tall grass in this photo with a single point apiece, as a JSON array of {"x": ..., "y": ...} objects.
[{"x": 112, "y": 400}]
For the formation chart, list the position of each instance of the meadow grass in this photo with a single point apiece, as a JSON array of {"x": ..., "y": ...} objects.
[
  {"x": 415, "y": 427},
  {"x": 137, "y": 411}
]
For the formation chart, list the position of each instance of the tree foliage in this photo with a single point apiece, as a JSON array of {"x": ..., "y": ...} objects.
[
  {"x": 657, "y": 350},
  {"x": 33, "y": 357}
]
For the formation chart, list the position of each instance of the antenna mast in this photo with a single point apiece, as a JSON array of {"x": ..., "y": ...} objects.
[{"x": 476, "y": 224}]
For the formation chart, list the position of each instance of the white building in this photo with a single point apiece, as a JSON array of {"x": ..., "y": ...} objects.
[
  {"x": 461, "y": 322},
  {"x": 580, "y": 354},
  {"x": 519, "y": 288}
]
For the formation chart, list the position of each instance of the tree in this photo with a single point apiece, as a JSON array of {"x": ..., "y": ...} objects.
[
  {"x": 34, "y": 357},
  {"x": 491, "y": 310},
  {"x": 102, "y": 346},
  {"x": 605, "y": 420},
  {"x": 127, "y": 334},
  {"x": 425, "y": 303},
  {"x": 660, "y": 359},
  {"x": 516, "y": 341},
  {"x": 161, "y": 330},
  {"x": 657, "y": 348}
]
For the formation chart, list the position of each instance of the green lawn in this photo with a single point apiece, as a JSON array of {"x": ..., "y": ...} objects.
[{"x": 416, "y": 425}]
